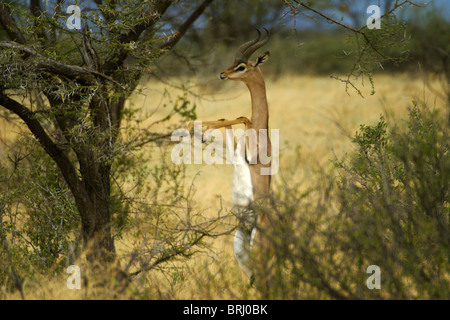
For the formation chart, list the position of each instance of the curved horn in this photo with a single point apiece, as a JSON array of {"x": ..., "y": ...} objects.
[
  {"x": 240, "y": 53},
  {"x": 253, "y": 47}
]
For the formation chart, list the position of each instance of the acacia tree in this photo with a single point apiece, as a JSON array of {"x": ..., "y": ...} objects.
[{"x": 69, "y": 87}]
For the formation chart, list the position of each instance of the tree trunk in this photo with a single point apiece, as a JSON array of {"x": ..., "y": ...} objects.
[
  {"x": 94, "y": 206},
  {"x": 92, "y": 190}
]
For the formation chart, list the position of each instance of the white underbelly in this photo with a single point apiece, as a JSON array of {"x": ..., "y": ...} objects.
[
  {"x": 242, "y": 189},
  {"x": 242, "y": 197}
]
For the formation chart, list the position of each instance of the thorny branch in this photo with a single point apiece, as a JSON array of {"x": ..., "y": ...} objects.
[
  {"x": 357, "y": 31},
  {"x": 55, "y": 67}
]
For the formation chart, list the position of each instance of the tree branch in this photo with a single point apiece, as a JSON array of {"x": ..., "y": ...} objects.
[
  {"x": 10, "y": 25},
  {"x": 133, "y": 34},
  {"x": 395, "y": 7},
  {"x": 183, "y": 251},
  {"x": 300, "y": 3},
  {"x": 110, "y": 16},
  {"x": 57, "y": 154},
  {"x": 358, "y": 31},
  {"x": 185, "y": 26},
  {"x": 49, "y": 65},
  {"x": 36, "y": 11}
]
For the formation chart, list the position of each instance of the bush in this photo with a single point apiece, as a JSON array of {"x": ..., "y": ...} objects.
[
  {"x": 387, "y": 206},
  {"x": 38, "y": 214}
]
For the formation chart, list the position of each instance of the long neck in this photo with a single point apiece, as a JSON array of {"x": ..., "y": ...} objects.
[
  {"x": 260, "y": 110},
  {"x": 259, "y": 120}
]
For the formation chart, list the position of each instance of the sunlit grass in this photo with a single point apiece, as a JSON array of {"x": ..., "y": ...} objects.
[{"x": 313, "y": 114}]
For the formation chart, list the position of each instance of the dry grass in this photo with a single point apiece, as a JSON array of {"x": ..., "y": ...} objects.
[
  {"x": 311, "y": 113},
  {"x": 314, "y": 114}
]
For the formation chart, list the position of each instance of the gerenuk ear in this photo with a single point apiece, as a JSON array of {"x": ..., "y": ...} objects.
[{"x": 262, "y": 59}]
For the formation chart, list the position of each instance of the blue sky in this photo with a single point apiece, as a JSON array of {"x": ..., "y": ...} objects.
[{"x": 359, "y": 7}]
